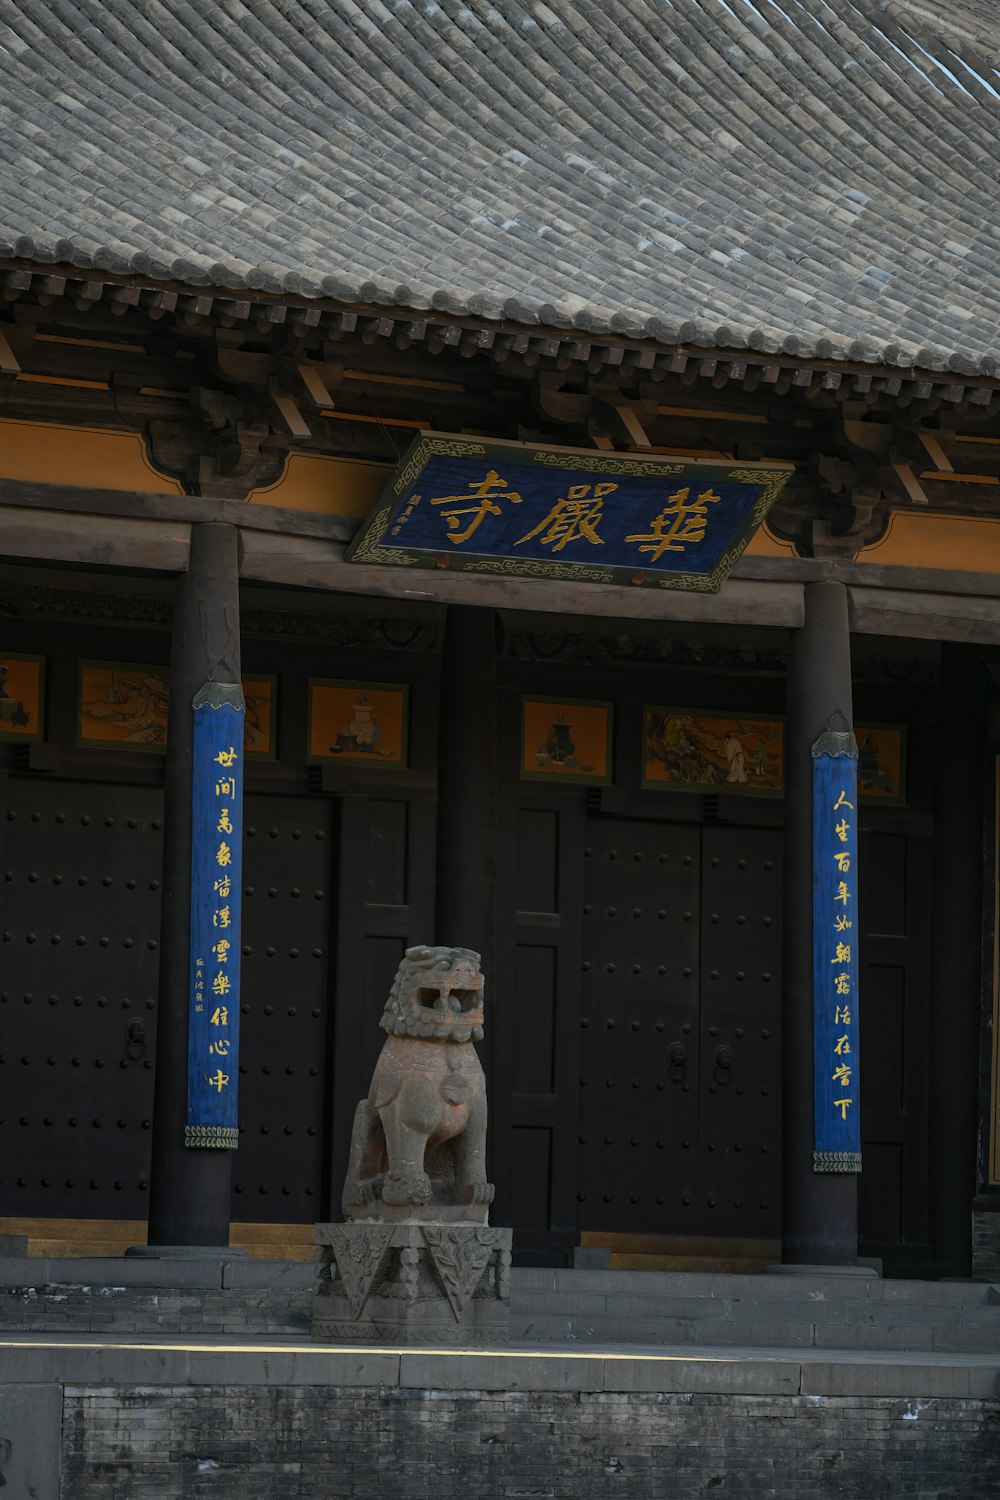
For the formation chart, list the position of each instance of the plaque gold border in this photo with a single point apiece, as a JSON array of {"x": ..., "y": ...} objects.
[{"x": 367, "y": 546}]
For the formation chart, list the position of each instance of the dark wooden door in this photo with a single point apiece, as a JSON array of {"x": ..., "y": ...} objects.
[
  {"x": 78, "y": 983},
  {"x": 637, "y": 1085},
  {"x": 289, "y": 866},
  {"x": 385, "y": 904},
  {"x": 739, "y": 1098},
  {"x": 680, "y": 1090},
  {"x": 897, "y": 1058},
  {"x": 536, "y": 1021},
  {"x": 81, "y": 914},
  {"x": 637, "y": 1164}
]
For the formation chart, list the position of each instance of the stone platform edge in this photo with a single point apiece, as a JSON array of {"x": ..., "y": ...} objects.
[
  {"x": 205, "y": 1275},
  {"x": 289, "y": 1275},
  {"x": 89, "y": 1362}
]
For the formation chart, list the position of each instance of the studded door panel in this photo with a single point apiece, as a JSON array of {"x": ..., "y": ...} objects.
[
  {"x": 639, "y": 1066},
  {"x": 384, "y": 903},
  {"x": 740, "y": 1136},
  {"x": 894, "y": 941},
  {"x": 278, "y": 1169},
  {"x": 77, "y": 997},
  {"x": 534, "y": 1087}
]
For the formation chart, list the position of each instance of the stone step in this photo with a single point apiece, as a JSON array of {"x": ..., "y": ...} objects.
[
  {"x": 823, "y": 1309},
  {"x": 767, "y": 1289},
  {"x": 576, "y": 1307},
  {"x": 756, "y": 1332},
  {"x": 826, "y": 1311}
]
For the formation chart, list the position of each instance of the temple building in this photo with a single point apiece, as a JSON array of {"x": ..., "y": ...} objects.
[{"x": 541, "y": 428}]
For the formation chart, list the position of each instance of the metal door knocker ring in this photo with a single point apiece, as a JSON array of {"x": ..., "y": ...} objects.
[
  {"x": 722, "y": 1070},
  {"x": 135, "y": 1040},
  {"x": 677, "y": 1054}
]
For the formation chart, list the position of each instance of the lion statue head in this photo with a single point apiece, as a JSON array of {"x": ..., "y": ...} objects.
[{"x": 437, "y": 994}]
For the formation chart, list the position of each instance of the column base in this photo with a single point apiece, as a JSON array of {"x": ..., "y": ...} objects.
[{"x": 412, "y": 1284}]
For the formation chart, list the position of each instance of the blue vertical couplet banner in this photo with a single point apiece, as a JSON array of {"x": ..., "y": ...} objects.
[
  {"x": 216, "y": 889},
  {"x": 836, "y": 1053}
]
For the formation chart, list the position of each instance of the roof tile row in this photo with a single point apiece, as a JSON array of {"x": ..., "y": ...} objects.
[{"x": 819, "y": 177}]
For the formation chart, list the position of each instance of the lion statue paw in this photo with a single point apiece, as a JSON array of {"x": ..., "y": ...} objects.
[
  {"x": 478, "y": 1192},
  {"x": 403, "y": 1188}
]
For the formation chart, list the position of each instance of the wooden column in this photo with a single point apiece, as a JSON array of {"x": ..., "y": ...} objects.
[
  {"x": 465, "y": 906},
  {"x": 956, "y": 958},
  {"x": 820, "y": 1210},
  {"x": 189, "y": 1187}
]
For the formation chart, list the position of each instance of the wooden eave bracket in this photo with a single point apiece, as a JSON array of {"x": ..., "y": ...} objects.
[
  {"x": 858, "y": 386},
  {"x": 938, "y": 457},
  {"x": 630, "y": 421},
  {"x": 241, "y": 459},
  {"x": 8, "y": 360},
  {"x": 289, "y": 409},
  {"x": 314, "y": 384},
  {"x": 914, "y": 490}
]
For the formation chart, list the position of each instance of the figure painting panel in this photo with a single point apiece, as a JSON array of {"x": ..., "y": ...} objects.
[
  {"x": 881, "y": 762},
  {"x": 687, "y": 750},
  {"x": 260, "y": 699},
  {"x": 22, "y": 681},
  {"x": 359, "y": 723},
  {"x": 566, "y": 739},
  {"x": 123, "y": 705}
]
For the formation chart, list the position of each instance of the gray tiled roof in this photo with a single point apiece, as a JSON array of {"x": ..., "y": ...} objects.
[{"x": 804, "y": 178}]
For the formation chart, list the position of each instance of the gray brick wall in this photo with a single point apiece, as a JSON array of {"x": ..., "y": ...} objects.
[
  {"x": 285, "y": 1442},
  {"x": 118, "y": 1309},
  {"x": 986, "y": 1241}
]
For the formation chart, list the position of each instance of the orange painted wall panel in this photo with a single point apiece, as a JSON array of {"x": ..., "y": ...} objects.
[{"x": 93, "y": 457}]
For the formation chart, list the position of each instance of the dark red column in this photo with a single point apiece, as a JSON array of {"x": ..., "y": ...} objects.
[
  {"x": 189, "y": 1188},
  {"x": 820, "y": 1209}
]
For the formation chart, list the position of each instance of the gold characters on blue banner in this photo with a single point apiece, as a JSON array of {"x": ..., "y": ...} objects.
[
  {"x": 216, "y": 856},
  {"x": 835, "y": 955}
]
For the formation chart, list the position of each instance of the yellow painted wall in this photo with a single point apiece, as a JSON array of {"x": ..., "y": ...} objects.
[
  {"x": 967, "y": 544},
  {"x": 764, "y": 544},
  {"x": 94, "y": 457},
  {"x": 332, "y": 486},
  {"x": 103, "y": 458}
]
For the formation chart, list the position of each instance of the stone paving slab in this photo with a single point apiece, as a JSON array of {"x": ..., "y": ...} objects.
[{"x": 120, "y": 1271}]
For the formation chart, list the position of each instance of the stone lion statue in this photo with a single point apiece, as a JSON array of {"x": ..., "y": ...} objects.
[{"x": 419, "y": 1139}]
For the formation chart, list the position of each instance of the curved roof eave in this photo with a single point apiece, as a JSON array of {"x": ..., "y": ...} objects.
[{"x": 816, "y": 181}]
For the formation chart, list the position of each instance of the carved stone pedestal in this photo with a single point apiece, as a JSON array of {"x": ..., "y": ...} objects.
[{"x": 413, "y": 1283}]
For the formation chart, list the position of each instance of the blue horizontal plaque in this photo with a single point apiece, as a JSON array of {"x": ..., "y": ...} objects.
[
  {"x": 836, "y": 1030},
  {"x": 517, "y": 509}
]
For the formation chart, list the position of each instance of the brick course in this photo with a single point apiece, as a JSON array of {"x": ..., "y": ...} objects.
[
  {"x": 323, "y": 1443},
  {"x": 117, "y": 1309}
]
